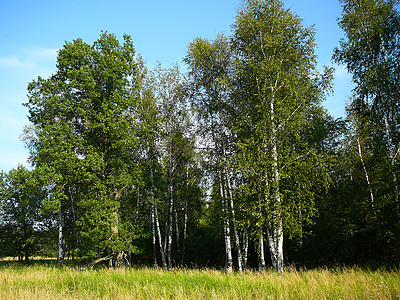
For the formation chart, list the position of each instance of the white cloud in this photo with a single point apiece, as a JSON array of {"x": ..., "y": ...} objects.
[
  {"x": 29, "y": 59},
  {"x": 40, "y": 56},
  {"x": 10, "y": 61},
  {"x": 48, "y": 53}
]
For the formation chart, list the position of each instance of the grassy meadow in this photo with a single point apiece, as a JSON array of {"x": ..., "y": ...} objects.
[{"x": 43, "y": 281}]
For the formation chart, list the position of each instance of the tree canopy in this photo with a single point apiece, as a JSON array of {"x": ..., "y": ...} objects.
[{"x": 219, "y": 165}]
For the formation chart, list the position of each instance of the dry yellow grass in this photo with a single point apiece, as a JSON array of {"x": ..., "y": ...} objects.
[{"x": 49, "y": 282}]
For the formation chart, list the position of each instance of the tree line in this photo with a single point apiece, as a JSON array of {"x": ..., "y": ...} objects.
[{"x": 221, "y": 165}]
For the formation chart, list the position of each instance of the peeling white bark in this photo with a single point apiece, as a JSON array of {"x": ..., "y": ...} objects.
[{"x": 275, "y": 234}]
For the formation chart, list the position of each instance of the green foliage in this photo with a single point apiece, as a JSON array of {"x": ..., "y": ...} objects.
[
  {"x": 84, "y": 135},
  {"x": 257, "y": 96},
  {"x": 371, "y": 52},
  {"x": 277, "y": 98},
  {"x": 21, "y": 220}
]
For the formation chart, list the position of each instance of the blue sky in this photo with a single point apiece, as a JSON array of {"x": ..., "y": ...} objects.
[{"x": 32, "y": 31}]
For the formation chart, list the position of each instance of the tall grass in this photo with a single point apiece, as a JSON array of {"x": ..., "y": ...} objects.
[{"x": 50, "y": 282}]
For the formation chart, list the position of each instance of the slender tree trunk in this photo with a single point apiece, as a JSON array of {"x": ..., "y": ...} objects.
[
  {"x": 185, "y": 222},
  {"x": 227, "y": 234},
  {"x": 178, "y": 244},
  {"x": 235, "y": 231},
  {"x": 261, "y": 263},
  {"x": 170, "y": 226},
  {"x": 152, "y": 217},
  {"x": 74, "y": 246},
  {"x": 301, "y": 226},
  {"x": 228, "y": 247},
  {"x": 139, "y": 201},
  {"x": 371, "y": 193},
  {"x": 245, "y": 248},
  {"x": 261, "y": 258},
  {"x": 227, "y": 188},
  {"x": 60, "y": 243},
  {"x": 275, "y": 234},
  {"x": 153, "y": 230},
  {"x": 164, "y": 262},
  {"x": 166, "y": 235},
  {"x": 275, "y": 243},
  {"x": 26, "y": 246}
]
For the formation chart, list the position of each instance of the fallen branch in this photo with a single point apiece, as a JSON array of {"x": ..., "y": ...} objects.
[{"x": 99, "y": 260}]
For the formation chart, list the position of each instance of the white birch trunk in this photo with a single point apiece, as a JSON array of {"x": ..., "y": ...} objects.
[
  {"x": 164, "y": 262},
  {"x": 228, "y": 247},
  {"x": 275, "y": 235},
  {"x": 166, "y": 235},
  {"x": 235, "y": 231},
  {"x": 275, "y": 244},
  {"x": 185, "y": 221},
  {"x": 152, "y": 217},
  {"x": 178, "y": 246},
  {"x": 261, "y": 262},
  {"x": 227, "y": 234},
  {"x": 371, "y": 193},
  {"x": 60, "y": 242},
  {"x": 261, "y": 258},
  {"x": 245, "y": 248},
  {"x": 170, "y": 226},
  {"x": 153, "y": 229}
]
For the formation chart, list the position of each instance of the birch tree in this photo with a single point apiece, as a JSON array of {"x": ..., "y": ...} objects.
[
  {"x": 278, "y": 96},
  {"x": 371, "y": 52},
  {"x": 210, "y": 67},
  {"x": 172, "y": 166}
]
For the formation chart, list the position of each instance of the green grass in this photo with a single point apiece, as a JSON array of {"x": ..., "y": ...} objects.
[{"x": 50, "y": 282}]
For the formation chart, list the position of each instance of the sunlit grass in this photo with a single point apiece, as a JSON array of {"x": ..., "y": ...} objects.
[{"x": 51, "y": 282}]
